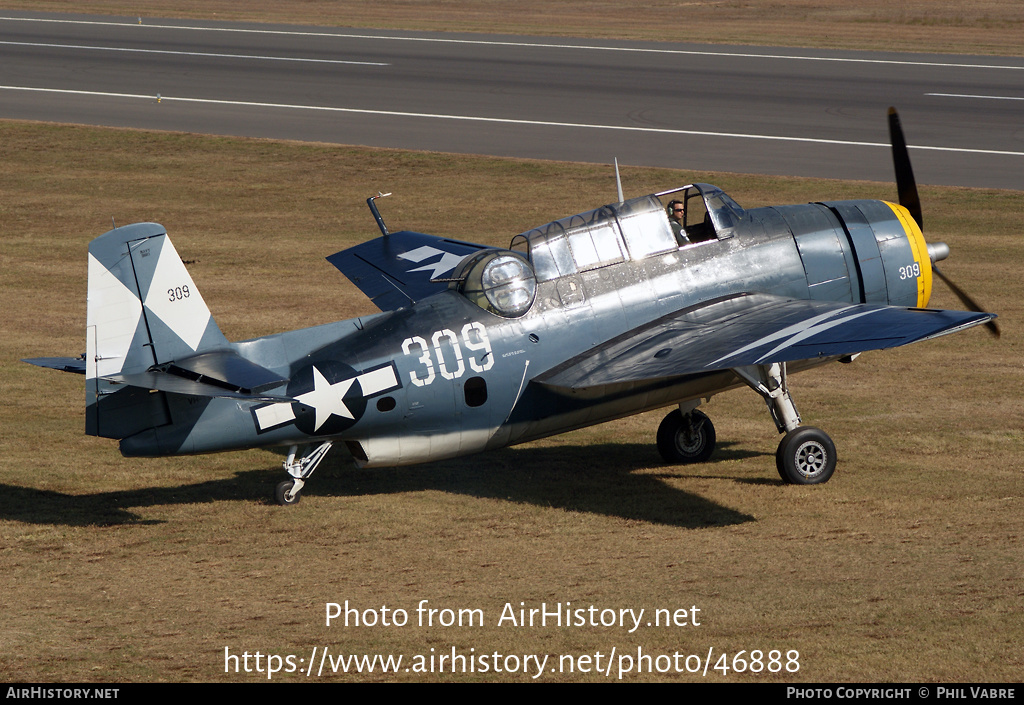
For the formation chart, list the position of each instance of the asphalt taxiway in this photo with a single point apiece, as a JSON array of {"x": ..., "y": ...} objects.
[{"x": 700, "y": 107}]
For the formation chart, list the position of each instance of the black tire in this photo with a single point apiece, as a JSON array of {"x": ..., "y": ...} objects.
[
  {"x": 284, "y": 496},
  {"x": 806, "y": 456},
  {"x": 683, "y": 440}
]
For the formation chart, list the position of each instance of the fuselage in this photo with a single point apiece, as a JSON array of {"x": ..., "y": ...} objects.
[{"x": 445, "y": 376}]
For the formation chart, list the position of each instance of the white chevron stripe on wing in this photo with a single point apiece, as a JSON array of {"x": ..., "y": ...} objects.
[
  {"x": 795, "y": 333},
  {"x": 814, "y": 330}
]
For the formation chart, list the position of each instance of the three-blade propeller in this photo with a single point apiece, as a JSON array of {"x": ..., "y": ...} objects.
[{"x": 906, "y": 187}]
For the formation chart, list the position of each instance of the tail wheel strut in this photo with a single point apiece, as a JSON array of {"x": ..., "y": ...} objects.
[{"x": 287, "y": 493}]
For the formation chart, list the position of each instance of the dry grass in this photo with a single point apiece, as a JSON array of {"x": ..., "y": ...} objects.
[
  {"x": 981, "y": 27},
  {"x": 906, "y": 567}
]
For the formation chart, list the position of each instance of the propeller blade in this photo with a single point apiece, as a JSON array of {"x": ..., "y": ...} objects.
[
  {"x": 967, "y": 301},
  {"x": 906, "y": 186}
]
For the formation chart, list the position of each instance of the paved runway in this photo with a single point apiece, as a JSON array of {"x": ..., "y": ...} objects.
[{"x": 700, "y": 107}]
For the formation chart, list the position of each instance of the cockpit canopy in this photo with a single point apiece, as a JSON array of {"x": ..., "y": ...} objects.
[
  {"x": 504, "y": 282},
  {"x": 634, "y": 229}
]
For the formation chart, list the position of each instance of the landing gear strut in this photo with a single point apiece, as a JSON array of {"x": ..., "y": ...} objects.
[
  {"x": 806, "y": 455},
  {"x": 288, "y": 492}
]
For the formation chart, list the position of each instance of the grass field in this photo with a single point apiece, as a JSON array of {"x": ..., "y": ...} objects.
[
  {"x": 977, "y": 27},
  {"x": 905, "y": 567}
]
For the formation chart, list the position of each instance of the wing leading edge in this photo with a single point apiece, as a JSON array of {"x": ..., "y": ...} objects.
[{"x": 752, "y": 329}]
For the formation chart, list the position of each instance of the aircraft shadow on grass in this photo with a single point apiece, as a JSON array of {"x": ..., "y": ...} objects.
[{"x": 599, "y": 479}]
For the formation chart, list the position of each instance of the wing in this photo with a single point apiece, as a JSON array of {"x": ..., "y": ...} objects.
[
  {"x": 752, "y": 329},
  {"x": 399, "y": 269}
]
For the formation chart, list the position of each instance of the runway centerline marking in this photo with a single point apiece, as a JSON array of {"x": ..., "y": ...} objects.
[
  {"x": 192, "y": 53},
  {"x": 506, "y": 121},
  {"x": 530, "y": 45}
]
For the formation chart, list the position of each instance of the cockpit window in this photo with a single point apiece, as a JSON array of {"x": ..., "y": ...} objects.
[
  {"x": 597, "y": 238},
  {"x": 725, "y": 212},
  {"x": 576, "y": 244},
  {"x": 645, "y": 228},
  {"x": 709, "y": 213},
  {"x": 552, "y": 258}
]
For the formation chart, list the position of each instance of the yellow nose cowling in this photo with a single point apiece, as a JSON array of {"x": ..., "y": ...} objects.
[{"x": 920, "y": 250}]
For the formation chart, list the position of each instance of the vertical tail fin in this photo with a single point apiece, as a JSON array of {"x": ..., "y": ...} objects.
[{"x": 143, "y": 309}]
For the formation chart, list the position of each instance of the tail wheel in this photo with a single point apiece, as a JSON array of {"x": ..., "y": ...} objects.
[
  {"x": 806, "y": 456},
  {"x": 686, "y": 439}
]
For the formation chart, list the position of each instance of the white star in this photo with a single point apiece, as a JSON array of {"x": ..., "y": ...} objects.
[{"x": 327, "y": 398}]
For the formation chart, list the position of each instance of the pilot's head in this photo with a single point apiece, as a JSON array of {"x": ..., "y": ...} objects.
[{"x": 675, "y": 210}]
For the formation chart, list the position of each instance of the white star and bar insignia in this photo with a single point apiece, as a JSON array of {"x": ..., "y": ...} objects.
[{"x": 327, "y": 398}]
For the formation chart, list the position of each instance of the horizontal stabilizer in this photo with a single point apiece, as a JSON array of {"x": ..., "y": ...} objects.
[
  {"x": 219, "y": 373},
  {"x": 167, "y": 382},
  {"x": 752, "y": 329},
  {"x": 64, "y": 364},
  {"x": 227, "y": 368},
  {"x": 399, "y": 269}
]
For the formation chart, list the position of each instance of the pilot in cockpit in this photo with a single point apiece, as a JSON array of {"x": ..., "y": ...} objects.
[{"x": 675, "y": 210}]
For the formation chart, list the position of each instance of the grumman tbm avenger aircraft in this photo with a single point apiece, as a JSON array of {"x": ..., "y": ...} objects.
[{"x": 658, "y": 301}]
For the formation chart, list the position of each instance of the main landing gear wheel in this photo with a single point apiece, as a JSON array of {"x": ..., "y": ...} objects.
[
  {"x": 806, "y": 456},
  {"x": 285, "y": 495},
  {"x": 686, "y": 439}
]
